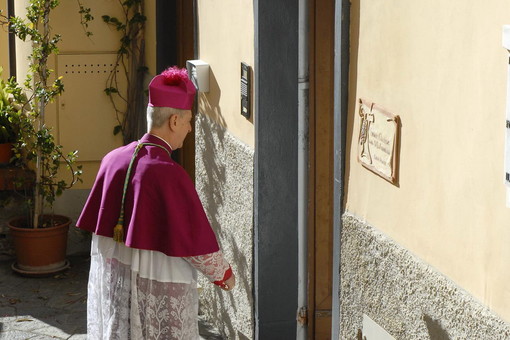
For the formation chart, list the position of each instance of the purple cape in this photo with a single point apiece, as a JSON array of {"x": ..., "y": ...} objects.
[{"x": 162, "y": 209}]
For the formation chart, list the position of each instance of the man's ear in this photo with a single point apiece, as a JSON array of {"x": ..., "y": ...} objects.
[{"x": 172, "y": 122}]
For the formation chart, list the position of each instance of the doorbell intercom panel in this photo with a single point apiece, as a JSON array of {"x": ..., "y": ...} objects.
[{"x": 245, "y": 90}]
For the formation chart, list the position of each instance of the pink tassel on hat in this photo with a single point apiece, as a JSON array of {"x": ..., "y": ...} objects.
[{"x": 174, "y": 75}]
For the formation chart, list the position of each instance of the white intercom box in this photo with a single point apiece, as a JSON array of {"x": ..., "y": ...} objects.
[
  {"x": 198, "y": 71},
  {"x": 506, "y": 37}
]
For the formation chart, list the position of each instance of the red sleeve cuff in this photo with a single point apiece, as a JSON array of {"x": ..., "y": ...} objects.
[{"x": 227, "y": 276}]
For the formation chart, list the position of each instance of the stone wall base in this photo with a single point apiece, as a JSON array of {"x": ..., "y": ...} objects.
[{"x": 404, "y": 295}]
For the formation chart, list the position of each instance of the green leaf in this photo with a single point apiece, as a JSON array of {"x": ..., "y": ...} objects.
[
  {"x": 110, "y": 90},
  {"x": 117, "y": 129}
]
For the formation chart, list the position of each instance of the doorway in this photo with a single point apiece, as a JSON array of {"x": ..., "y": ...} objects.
[{"x": 176, "y": 44}]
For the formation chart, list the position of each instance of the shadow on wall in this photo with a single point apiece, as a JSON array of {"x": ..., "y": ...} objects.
[
  {"x": 210, "y": 102},
  {"x": 224, "y": 185},
  {"x": 436, "y": 332},
  {"x": 215, "y": 171}
]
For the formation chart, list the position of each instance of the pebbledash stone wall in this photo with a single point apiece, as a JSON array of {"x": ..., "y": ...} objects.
[
  {"x": 404, "y": 295},
  {"x": 224, "y": 181}
]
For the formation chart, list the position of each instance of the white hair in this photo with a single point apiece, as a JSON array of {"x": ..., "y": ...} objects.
[{"x": 157, "y": 116}]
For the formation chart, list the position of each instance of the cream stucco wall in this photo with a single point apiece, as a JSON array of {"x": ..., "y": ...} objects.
[
  {"x": 4, "y": 44},
  {"x": 150, "y": 36},
  {"x": 22, "y": 48},
  {"x": 226, "y": 38},
  {"x": 440, "y": 66}
]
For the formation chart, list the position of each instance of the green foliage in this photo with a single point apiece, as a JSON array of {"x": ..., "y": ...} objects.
[
  {"x": 117, "y": 129},
  {"x": 85, "y": 17},
  {"x": 8, "y": 131},
  {"x": 110, "y": 90},
  {"x": 35, "y": 146}
]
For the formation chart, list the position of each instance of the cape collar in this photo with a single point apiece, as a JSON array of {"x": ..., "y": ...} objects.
[{"x": 156, "y": 140}]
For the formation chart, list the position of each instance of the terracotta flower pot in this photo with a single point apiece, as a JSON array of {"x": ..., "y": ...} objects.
[
  {"x": 5, "y": 153},
  {"x": 40, "y": 251}
]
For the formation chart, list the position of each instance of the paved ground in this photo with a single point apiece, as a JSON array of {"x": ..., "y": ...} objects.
[{"x": 52, "y": 307}]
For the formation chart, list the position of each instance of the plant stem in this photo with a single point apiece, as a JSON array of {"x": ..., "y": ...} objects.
[{"x": 43, "y": 78}]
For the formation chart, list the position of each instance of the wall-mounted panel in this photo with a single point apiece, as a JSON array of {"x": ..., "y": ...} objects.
[{"x": 86, "y": 117}]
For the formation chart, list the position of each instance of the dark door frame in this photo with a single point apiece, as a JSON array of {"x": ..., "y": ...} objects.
[{"x": 276, "y": 176}]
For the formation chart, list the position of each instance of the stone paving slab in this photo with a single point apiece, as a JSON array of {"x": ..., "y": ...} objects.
[{"x": 52, "y": 307}]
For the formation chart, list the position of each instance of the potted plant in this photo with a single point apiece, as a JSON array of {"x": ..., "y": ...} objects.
[{"x": 40, "y": 238}]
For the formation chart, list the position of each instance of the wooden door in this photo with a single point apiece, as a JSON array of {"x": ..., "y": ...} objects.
[{"x": 320, "y": 234}]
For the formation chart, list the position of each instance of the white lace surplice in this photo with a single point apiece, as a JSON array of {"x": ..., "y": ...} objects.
[{"x": 142, "y": 294}]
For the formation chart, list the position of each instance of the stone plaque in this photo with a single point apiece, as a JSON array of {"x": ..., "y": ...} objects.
[{"x": 378, "y": 140}]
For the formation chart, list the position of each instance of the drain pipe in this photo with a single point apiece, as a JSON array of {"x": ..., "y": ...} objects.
[{"x": 303, "y": 88}]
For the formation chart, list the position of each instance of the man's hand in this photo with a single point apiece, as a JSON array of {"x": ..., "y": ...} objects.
[{"x": 230, "y": 283}]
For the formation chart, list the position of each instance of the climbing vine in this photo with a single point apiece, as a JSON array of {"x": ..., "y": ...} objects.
[
  {"x": 86, "y": 17},
  {"x": 128, "y": 103}
]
